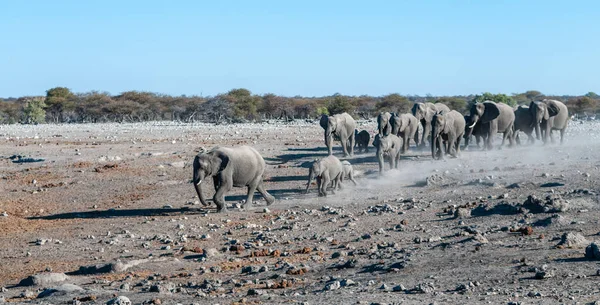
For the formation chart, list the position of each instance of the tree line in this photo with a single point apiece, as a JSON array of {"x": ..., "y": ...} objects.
[{"x": 61, "y": 105}]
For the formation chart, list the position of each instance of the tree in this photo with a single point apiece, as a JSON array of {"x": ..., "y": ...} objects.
[
  {"x": 58, "y": 101},
  {"x": 455, "y": 103},
  {"x": 339, "y": 104},
  {"x": 592, "y": 95},
  {"x": 393, "y": 103},
  {"x": 581, "y": 105},
  {"x": 498, "y": 98},
  {"x": 34, "y": 111}
]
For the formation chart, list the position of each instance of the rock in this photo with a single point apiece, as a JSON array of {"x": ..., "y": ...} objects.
[
  {"x": 254, "y": 291},
  {"x": 544, "y": 274},
  {"x": 573, "y": 240},
  {"x": 4, "y": 214},
  {"x": 167, "y": 287},
  {"x": 434, "y": 179},
  {"x": 266, "y": 211},
  {"x": 592, "y": 252},
  {"x": 178, "y": 164},
  {"x": 333, "y": 286},
  {"x": 250, "y": 269},
  {"x": 480, "y": 238},
  {"x": 399, "y": 288},
  {"x": 212, "y": 252},
  {"x": 348, "y": 282},
  {"x": 120, "y": 300},
  {"x": 44, "y": 279},
  {"x": 64, "y": 289},
  {"x": 462, "y": 213},
  {"x": 28, "y": 294},
  {"x": 552, "y": 204},
  {"x": 424, "y": 288}
]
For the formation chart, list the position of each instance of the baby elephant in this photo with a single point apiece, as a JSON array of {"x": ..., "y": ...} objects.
[
  {"x": 362, "y": 139},
  {"x": 348, "y": 172},
  {"x": 389, "y": 146},
  {"x": 446, "y": 133},
  {"x": 328, "y": 169}
]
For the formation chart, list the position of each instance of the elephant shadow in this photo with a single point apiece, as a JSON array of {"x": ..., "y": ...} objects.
[{"x": 111, "y": 213}]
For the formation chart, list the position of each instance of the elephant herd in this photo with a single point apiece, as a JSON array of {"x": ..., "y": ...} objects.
[{"x": 442, "y": 127}]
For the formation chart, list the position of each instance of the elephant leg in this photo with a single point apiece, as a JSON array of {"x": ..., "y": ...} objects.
[
  {"x": 517, "y": 139},
  {"x": 351, "y": 177},
  {"x": 268, "y": 197},
  {"x": 426, "y": 131},
  {"x": 250, "y": 197},
  {"x": 352, "y": 141},
  {"x": 319, "y": 183},
  {"x": 405, "y": 143},
  {"x": 551, "y": 138},
  {"x": 338, "y": 181},
  {"x": 344, "y": 145},
  {"x": 458, "y": 140},
  {"x": 397, "y": 160},
  {"x": 325, "y": 183},
  {"x": 562, "y": 135},
  {"x": 219, "y": 198}
]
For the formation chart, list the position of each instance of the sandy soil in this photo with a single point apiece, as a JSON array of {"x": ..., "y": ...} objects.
[{"x": 455, "y": 231}]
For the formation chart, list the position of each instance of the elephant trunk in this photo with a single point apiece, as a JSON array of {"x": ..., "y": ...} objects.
[
  {"x": 328, "y": 140},
  {"x": 311, "y": 175},
  {"x": 537, "y": 130},
  {"x": 197, "y": 185},
  {"x": 380, "y": 160}
]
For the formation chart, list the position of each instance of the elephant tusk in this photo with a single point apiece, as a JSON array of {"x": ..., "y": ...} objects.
[
  {"x": 199, "y": 181},
  {"x": 473, "y": 125}
]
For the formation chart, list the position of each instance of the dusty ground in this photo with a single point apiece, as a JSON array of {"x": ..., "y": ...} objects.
[{"x": 110, "y": 193}]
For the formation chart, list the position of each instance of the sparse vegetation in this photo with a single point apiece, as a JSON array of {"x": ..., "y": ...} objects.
[{"x": 61, "y": 105}]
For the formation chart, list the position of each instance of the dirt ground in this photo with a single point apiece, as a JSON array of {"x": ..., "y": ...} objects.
[{"x": 454, "y": 231}]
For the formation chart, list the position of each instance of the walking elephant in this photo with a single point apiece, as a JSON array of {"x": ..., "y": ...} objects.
[
  {"x": 501, "y": 118},
  {"x": 348, "y": 172},
  {"x": 362, "y": 140},
  {"x": 389, "y": 146},
  {"x": 549, "y": 115},
  {"x": 478, "y": 131},
  {"x": 405, "y": 126},
  {"x": 424, "y": 112},
  {"x": 343, "y": 126},
  {"x": 384, "y": 123},
  {"x": 326, "y": 170},
  {"x": 229, "y": 167},
  {"x": 524, "y": 121},
  {"x": 447, "y": 128}
]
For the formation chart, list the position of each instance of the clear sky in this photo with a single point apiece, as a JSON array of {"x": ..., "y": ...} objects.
[{"x": 310, "y": 48}]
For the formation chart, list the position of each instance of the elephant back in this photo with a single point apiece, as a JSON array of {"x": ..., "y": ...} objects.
[{"x": 506, "y": 118}]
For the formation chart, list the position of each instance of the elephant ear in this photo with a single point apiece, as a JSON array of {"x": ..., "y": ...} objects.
[
  {"x": 553, "y": 109},
  {"x": 491, "y": 112},
  {"x": 324, "y": 120},
  {"x": 219, "y": 161}
]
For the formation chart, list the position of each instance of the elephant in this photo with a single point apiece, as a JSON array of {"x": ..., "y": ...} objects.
[
  {"x": 362, "y": 139},
  {"x": 383, "y": 123},
  {"x": 524, "y": 122},
  {"x": 342, "y": 125},
  {"x": 389, "y": 146},
  {"x": 449, "y": 128},
  {"x": 501, "y": 118},
  {"x": 424, "y": 112},
  {"x": 477, "y": 132},
  {"x": 348, "y": 171},
  {"x": 326, "y": 170},
  {"x": 230, "y": 166},
  {"x": 550, "y": 115},
  {"x": 405, "y": 126}
]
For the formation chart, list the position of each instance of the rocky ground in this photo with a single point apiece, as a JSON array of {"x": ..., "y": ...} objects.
[{"x": 92, "y": 212}]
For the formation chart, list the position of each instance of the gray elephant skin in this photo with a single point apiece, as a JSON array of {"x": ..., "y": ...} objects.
[
  {"x": 343, "y": 126},
  {"x": 389, "y": 146},
  {"x": 362, "y": 140},
  {"x": 549, "y": 115},
  {"x": 447, "y": 128},
  {"x": 501, "y": 118},
  {"x": 405, "y": 126},
  {"x": 326, "y": 170},
  {"x": 383, "y": 123},
  {"x": 424, "y": 112},
  {"x": 348, "y": 171},
  {"x": 237, "y": 166},
  {"x": 478, "y": 131},
  {"x": 524, "y": 122}
]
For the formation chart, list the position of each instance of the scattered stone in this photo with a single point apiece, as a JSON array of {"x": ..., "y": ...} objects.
[
  {"x": 333, "y": 286},
  {"x": 348, "y": 282},
  {"x": 211, "y": 252},
  {"x": 44, "y": 279},
  {"x": 462, "y": 213},
  {"x": 552, "y": 204},
  {"x": 64, "y": 289},
  {"x": 573, "y": 240},
  {"x": 592, "y": 252},
  {"x": 165, "y": 288},
  {"x": 526, "y": 230},
  {"x": 434, "y": 179},
  {"x": 178, "y": 164},
  {"x": 120, "y": 300},
  {"x": 398, "y": 288}
]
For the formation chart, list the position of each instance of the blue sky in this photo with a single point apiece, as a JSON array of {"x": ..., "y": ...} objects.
[{"x": 309, "y": 48}]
